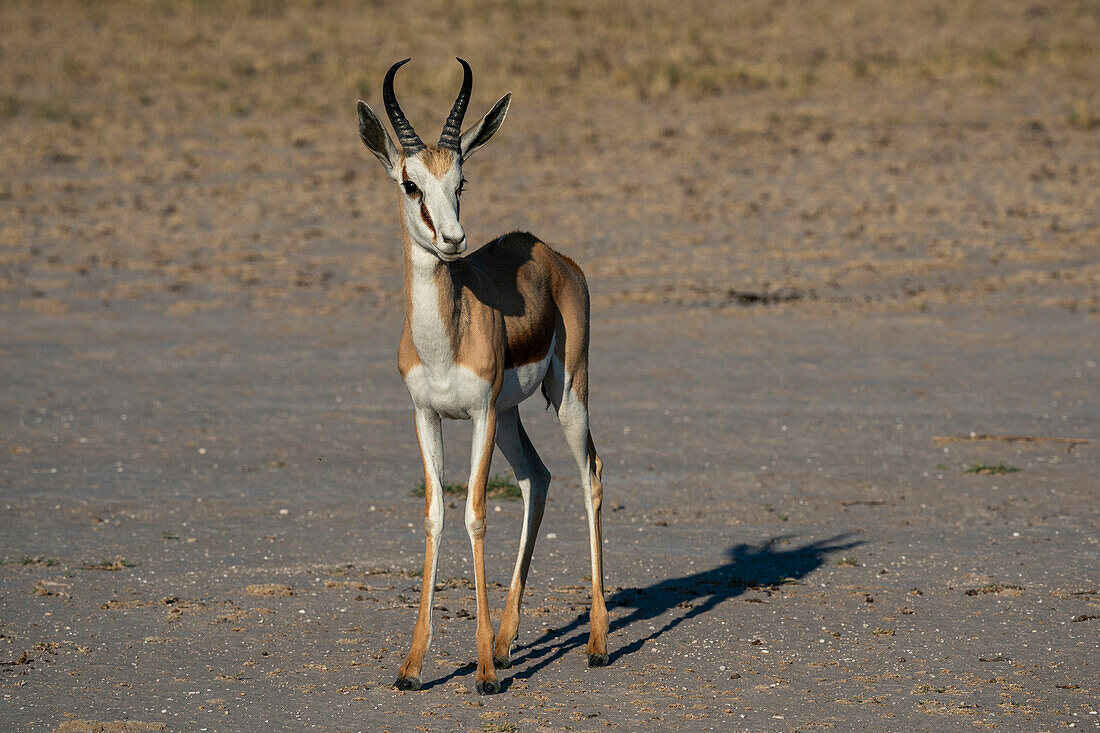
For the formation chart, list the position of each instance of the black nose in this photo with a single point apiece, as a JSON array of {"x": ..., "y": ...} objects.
[{"x": 455, "y": 241}]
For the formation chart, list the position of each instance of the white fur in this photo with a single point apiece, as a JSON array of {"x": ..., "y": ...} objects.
[
  {"x": 440, "y": 197},
  {"x": 534, "y": 481},
  {"x": 573, "y": 419},
  {"x": 522, "y": 381},
  {"x": 438, "y": 383},
  {"x": 430, "y": 433}
]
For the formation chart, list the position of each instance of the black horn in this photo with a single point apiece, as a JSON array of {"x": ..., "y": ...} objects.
[
  {"x": 452, "y": 128},
  {"x": 406, "y": 135}
]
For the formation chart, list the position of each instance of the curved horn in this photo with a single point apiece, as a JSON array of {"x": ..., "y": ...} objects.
[
  {"x": 406, "y": 135},
  {"x": 452, "y": 129}
]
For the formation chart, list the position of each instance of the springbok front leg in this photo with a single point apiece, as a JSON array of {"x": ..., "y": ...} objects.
[
  {"x": 534, "y": 480},
  {"x": 429, "y": 433},
  {"x": 481, "y": 454}
]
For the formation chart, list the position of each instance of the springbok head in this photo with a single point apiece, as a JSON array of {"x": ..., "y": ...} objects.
[{"x": 429, "y": 177}]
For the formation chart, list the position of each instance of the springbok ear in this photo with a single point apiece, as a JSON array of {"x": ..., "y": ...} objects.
[
  {"x": 485, "y": 128},
  {"x": 376, "y": 138}
]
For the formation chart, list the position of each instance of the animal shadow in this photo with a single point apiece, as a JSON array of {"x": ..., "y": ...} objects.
[{"x": 760, "y": 567}]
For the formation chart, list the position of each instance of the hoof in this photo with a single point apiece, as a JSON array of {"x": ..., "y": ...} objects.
[
  {"x": 488, "y": 687},
  {"x": 502, "y": 662},
  {"x": 598, "y": 660},
  {"x": 407, "y": 683}
]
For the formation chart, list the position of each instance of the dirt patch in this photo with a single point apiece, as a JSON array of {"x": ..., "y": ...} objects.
[
  {"x": 82, "y": 725},
  {"x": 269, "y": 589},
  {"x": 996, "y": 589}
]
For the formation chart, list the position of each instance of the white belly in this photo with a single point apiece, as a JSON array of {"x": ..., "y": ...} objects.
[
  {"x": 522, "y": 382},
  {"x": 455, "y": 392}
]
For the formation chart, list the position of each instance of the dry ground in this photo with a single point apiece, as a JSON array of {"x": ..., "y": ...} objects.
[{"x": 820, "y": 236}]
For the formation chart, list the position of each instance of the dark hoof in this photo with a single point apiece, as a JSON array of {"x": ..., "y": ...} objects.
[
  {"x": 502, "y": 662},
  {"x": 407, "y": 683},
  {"x": 488, "y": 687},
  {"x": 598, "y": 660}
]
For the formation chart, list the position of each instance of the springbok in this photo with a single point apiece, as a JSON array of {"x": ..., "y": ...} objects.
[{"x": 482, "y": 333}]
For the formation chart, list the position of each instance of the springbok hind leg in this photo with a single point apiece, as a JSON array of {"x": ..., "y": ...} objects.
[
  {"x": 573, "y": 416},
  {"x": 534, "y": 480}
]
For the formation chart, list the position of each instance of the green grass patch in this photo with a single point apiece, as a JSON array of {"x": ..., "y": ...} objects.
[
  {"x": 499, "y": 486},
  {"x": 985, "y": 469}
]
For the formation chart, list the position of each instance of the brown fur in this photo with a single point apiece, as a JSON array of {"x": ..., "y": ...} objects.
[
  {"x": 514, "y": 290},
  {"x": 407, "y": 358},
  {"x": 437, "y": 160},
  {"x": 538, "y": 293}
]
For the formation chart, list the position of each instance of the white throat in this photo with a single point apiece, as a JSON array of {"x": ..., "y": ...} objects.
[{"x": 431, "y": 334}]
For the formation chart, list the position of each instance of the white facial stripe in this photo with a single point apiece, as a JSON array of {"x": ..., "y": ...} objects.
[{"x": 439, "y": 230}]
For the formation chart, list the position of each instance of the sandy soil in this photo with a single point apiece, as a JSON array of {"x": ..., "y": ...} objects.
[{"x": 841, "y": 255}]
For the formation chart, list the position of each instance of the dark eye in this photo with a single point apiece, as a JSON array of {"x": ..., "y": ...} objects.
[{"x": 410, "y": 188}]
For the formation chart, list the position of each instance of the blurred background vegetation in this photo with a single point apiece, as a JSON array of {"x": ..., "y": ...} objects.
[
  {"x": 89, "y": 63},
  {"x": 195, "y": 155}
]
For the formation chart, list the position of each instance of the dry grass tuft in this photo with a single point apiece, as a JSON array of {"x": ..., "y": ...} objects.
[{"x": 269, "y": 589}]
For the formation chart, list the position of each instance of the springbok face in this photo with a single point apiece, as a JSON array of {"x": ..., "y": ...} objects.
[{"x": 429, "y": 177}]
